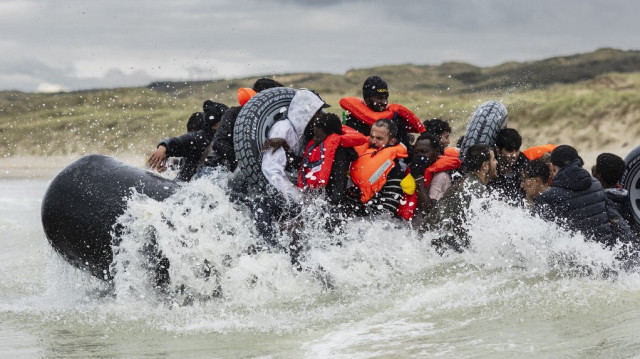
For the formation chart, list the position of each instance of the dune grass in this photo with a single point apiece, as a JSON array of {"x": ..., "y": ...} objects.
[{"x": 600, "y": 113}]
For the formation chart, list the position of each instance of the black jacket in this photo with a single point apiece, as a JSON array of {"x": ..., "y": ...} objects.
[
  {"x": 508, "y": 185},
  {"x": 577, "y": 201},
  {"x": 222, "y": 153},
  {"x": 191, "y": 146}
]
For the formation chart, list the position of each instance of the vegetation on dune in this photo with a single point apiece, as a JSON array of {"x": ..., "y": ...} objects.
[{"x": 590, "y": 100}]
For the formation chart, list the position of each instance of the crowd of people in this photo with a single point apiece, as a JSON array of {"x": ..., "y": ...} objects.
[{"x": 372, "y": 164}]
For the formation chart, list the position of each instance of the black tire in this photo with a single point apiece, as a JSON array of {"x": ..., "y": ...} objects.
[
  {"x": 486, "y": 122},
  {"x": 251, "y": 128},
  {"x": 83, "y": 202},
  {"x": 631, "y": 182}
]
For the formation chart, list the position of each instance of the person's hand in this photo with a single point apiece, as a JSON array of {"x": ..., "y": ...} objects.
[
  {"x": 158, "y": 159},
  {"x": 419, "y": 165},
  {"x": 274, "y": 144}
]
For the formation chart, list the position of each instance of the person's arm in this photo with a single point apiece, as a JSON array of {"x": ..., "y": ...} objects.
[{"x": 273, "y": 168}]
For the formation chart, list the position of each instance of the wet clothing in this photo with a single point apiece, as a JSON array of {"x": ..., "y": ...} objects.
[
  {"x": 304, "y": 105},
  {"x": 626, "y": 230},
  {"x": 385, "y": 200},
  {"x": 222, "y": 152},
  {"x": 191, "y": 146},
  {"x": 577, "y": 202},
  {"x": 370, "y": 171},
  {"x": 450, "y": 214},
  {"x": 507, "y": 185}
]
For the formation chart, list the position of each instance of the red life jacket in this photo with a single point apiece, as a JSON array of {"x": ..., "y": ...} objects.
[
  {"x": 317, "y": 161},
  {"x": 452, "y": 151},
  {"x": 362, "y": 112},
  {"x": 408, "y": 204},
  {"x": 369, "y": 172}
]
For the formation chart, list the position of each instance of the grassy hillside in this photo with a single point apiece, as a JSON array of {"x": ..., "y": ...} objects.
[{"x": 591, "y": 101}]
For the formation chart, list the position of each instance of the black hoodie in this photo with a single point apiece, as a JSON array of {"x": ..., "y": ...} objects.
[{"x": 577, "y": 201}]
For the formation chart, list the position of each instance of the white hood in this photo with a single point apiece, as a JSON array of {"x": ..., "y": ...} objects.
[{"x": 303, "y": 106}]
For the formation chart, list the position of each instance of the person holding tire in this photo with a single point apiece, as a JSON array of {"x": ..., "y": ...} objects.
[
  {"x": 285, "y": 143},
  {"x": 222, "y": 151}
]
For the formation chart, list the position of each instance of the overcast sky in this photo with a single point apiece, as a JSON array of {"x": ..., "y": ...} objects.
[{"x": 49, "y": 45}]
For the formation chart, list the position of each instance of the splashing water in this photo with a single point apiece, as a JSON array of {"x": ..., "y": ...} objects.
[{"x": 524, "y": 288}]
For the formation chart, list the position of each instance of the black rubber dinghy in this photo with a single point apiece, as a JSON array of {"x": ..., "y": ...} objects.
[
  {"x": 251, "y": 128},
  {"x": 631, "y": 181},
  {"x": 83, "y": 202},
  {"x": 486, "y": 122}
]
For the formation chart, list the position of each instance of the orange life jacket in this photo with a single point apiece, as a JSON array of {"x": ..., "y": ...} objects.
[
  {"x": 409, "y": 203},
  {"x": 362, "y": 112},
  {"x": 317, "y": 161},
  {"x": 369, "y": 172},
  {"x": 533, "y": 153},
  {"x": 245, "y": 94}
]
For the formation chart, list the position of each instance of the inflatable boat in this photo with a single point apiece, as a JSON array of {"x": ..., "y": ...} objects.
[{"x": 82, "y": 204}]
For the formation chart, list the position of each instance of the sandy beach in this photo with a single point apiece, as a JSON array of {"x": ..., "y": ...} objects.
[{"x": 41, "y": 167}]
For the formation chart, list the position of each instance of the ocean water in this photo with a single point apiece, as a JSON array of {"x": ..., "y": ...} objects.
[{"x": 525, "y": 290}]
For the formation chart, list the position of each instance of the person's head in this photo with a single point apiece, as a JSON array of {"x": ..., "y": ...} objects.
[
  {"x": 428, "y": 145},
  {"x": 325, "y": 125},
  {"x": 213, "y": 112},
  {"x": 383, "y": 133},
  {"x": 535, "y": 178},
  {"x": 481, "y": 160},
  {"x": 609, "y": 169},
  {"x": 439, "y": 128},
  {"x": 195, "y": 122},
  {"x": 562, "y": 156},
  {"x": 375, "y": 93},
  {"x": 265, "y": 83},
  {"x": 508, "y": 144}
]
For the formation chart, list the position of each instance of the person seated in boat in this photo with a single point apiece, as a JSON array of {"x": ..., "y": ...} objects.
[
  {"x": 222, "y": 151},
  {"x": 430, "y": 169},
  {"x": 608, "y": 170},
  {"x": 511, "y": 164},
  {"x": 377, "y": 172},
  {"x": 192, "y": 145},
  {"x": 327, "y": 157},
  {"x": 375, "y": 106},
  {"x": 577, "y": 201},
  {"x": 442, "y": 130},
  {"x": 535, "y": 180},
  {"x": 449, "y": 215},
  {"x": 282, "y": 152},
  {"x": 194, "y": 124}
]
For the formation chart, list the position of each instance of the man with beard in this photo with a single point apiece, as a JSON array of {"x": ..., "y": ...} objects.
[{"x": 449, "y": 216}]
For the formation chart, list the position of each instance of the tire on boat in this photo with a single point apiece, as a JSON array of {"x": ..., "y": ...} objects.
[
  {"x": 486, "y": 122},
  {"x": 631, "y": 182},
  {"x": 252, "y": 125},
  {"x": 83, "y": 202}
]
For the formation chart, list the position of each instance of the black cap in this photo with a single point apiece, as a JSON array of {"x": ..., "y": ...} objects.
[
  {"x": 374, "y": 86},
  {"x": 563, "y": 155},
  {"x": 213, "y": 112}
]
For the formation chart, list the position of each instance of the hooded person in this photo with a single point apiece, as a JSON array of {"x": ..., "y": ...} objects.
[
  {"x": 192, "y": 145},
  {"x": 576, "y": 200},
  {"x": 282, "y": 151}
]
